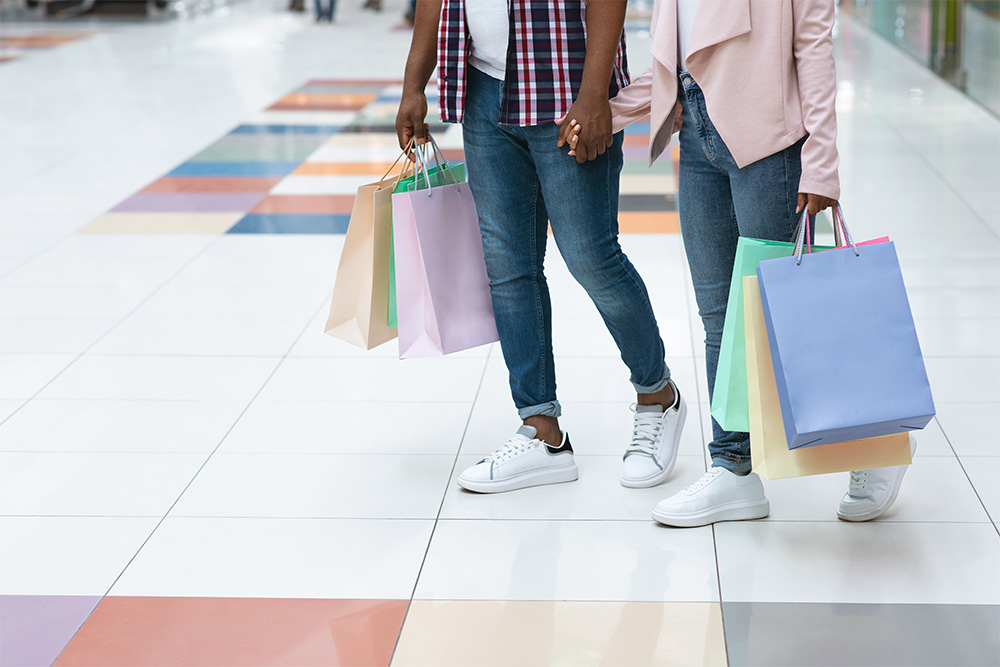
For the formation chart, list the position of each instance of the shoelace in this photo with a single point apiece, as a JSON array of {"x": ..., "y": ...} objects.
[
  {"x": 645, "y": 434},
  {"x": 703, "y": 481},
  {"x": 859, "y": 480},
  {"x": 518, "y": 444}
]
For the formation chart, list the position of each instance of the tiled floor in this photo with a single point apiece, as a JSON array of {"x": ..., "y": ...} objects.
[{"x": 191, "y": 472}]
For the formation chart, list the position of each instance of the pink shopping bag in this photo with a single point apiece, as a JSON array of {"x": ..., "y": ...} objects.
[{"x": 442, "y": 290}]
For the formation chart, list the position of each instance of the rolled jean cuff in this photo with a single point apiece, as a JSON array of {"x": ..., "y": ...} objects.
[
  {"x": 550, "y": 409},
  {"x": 653, "y": 388},
  {"x": 737, "y": 465}
]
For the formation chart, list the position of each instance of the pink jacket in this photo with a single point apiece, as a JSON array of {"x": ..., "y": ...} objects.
[{"x": 766, "y": 68}]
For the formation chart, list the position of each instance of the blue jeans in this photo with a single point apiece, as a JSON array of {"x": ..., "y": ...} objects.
[
  {"x": 718, "y": 202},
  {"x": 327, "y": 12},
  {"x": 522, "y": 182}
]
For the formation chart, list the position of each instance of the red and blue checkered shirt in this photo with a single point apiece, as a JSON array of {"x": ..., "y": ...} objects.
[{"x": 546, "y": 51}]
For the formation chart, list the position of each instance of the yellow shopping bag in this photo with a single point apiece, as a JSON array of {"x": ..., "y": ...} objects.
[{"x": 768, "y": 446}]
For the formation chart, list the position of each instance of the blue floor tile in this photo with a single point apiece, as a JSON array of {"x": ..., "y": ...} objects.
[
  {"x": 291, "y": 223},
  {"x": 287, "y": 129},
  {"x": 235, "y": 169}
]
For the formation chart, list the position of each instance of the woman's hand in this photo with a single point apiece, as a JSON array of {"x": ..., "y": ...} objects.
[
  {"x": 815, "y": 203},
  {"x": 588, "y": 131}
]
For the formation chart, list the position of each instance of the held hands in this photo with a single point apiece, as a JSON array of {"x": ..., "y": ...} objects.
[
  {"x": 410, "y": 120},
  {"x": 586, "y": 128},
  {"x": 815, "y": 203}
]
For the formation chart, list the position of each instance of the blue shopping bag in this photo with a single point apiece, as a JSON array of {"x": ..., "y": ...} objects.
[{"x": 846, "y": 357}]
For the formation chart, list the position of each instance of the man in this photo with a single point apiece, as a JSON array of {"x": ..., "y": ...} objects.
[{"x": 508, "y": 71}]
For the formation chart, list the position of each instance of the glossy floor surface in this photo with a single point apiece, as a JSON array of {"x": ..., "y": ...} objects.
[{"x": 191, "y": 472}]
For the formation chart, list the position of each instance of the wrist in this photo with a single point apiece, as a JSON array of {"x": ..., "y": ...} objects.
[{"x": 592, "y": 94}]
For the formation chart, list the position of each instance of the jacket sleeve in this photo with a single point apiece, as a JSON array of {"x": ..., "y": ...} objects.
[
  {"x": 632, "y": 102},
  {"x": 817, "y": 77}
]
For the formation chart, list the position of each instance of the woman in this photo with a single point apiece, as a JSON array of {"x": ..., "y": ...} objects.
[{"x": 750, "y": 85}]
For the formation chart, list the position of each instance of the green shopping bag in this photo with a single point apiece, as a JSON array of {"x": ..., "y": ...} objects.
[
  {"x": 729, "y": 399},
  {"x": 408, "y": 184}
]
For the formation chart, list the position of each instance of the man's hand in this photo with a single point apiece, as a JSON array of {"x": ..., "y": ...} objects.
[
  {"x": 587, "y": 128},
  {"x": 410, "y": 119},
  {"x": 815, "y": 203}
]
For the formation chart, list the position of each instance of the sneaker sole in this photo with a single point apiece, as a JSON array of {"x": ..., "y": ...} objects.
[
  {"x": 738, "y": 511},
  {"x": 531, "y": 478},
  {"x": 661, "y": 476}
]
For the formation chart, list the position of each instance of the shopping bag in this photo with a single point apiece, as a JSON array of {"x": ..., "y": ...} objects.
[
  {"x": 442, "y": 289},
  {"x": 446, "y": 173},
  {"x": 769, "y": 451},
  {"x": 360, "y": 293},
  {"x": 847, "y": 362},
  {"x": 729, "y": 398}
]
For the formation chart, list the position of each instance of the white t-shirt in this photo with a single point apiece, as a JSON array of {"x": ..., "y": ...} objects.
[
  {"x": 489, "y": 27},
  {"x": 686, "y": 10}
]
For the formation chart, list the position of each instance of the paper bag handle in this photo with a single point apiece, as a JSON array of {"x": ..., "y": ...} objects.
[{"x": 803, "y": 236}]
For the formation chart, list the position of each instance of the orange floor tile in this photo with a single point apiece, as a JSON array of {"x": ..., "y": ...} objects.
[{"x": 237, "y": 631}]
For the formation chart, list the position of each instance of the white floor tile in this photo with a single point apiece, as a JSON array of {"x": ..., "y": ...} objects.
[
  {"x": 70, "y": 302},
  {"x": 568, "y": 560},
  {"x": 935, "y": 489},
  {"x": 954, "y": 337},
  {"x": 72, "y": 484},
  {"x": 376, "y": 380},
  {"x": 963, "y": 424},
  {"x": 7, "y": 408},
  {"x": 316, "y": 427},
  {"x": 349, "y": 486},
  {"x": 221, "y": 337},
  {"x": 132, "y": 246},
  {"x": 964, "y": 378},
  {"x": 93, "y": 272},
  {"x": 288, "y": 303},
  {"x": 283, "y": 558},
  {"x": 984, "y": 471},
  {"x": 67, "y": 555},
  {"x": 119, "y": 426},
  {"x": 25, "y": 374},
  {"x": 162, "y": 378},
  {"x": 597, "y": 495},
  {"x": 328, "y": 185},
  {"x": 876, "y": 562},
  {"x": 46, "y": 335}
]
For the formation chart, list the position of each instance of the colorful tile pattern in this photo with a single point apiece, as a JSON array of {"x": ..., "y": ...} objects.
[
  {"x": 294, "y": 169},
  {"x": 34, "y": 629},
  {"x": 16, "y": 43}
]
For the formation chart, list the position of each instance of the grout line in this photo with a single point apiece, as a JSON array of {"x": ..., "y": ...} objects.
[
  {"x": 979, "y": 497},
  {"x": 437, "y": 519},
  {"x": 209, "y": 458},
  {"x": 114, "y": 326}
]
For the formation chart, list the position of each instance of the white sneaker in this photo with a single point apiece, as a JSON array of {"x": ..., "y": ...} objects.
[
  {"x": 524, "y": 461},
  {"x": 718, "y": 496},
  {"x": 656, "y": 435},
  {"x": 872, "y": 492}
]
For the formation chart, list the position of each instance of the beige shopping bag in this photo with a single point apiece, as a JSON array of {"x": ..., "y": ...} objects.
[
  {"x": 768, "y": 446},
  {"x": 360, "y": 307}
]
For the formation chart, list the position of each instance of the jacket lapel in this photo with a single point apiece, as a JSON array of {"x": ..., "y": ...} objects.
[
  {"x": 663, "y": 33},
  {"x": 716, "y": 21}
]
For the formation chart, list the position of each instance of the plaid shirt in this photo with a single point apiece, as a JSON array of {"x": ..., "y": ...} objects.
[{"x": 546, "y": 50}]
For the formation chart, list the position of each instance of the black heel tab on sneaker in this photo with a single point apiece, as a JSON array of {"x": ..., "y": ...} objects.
[
  {"x": 677, "y": 396},
  {"x": 564, "y": 447}
]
